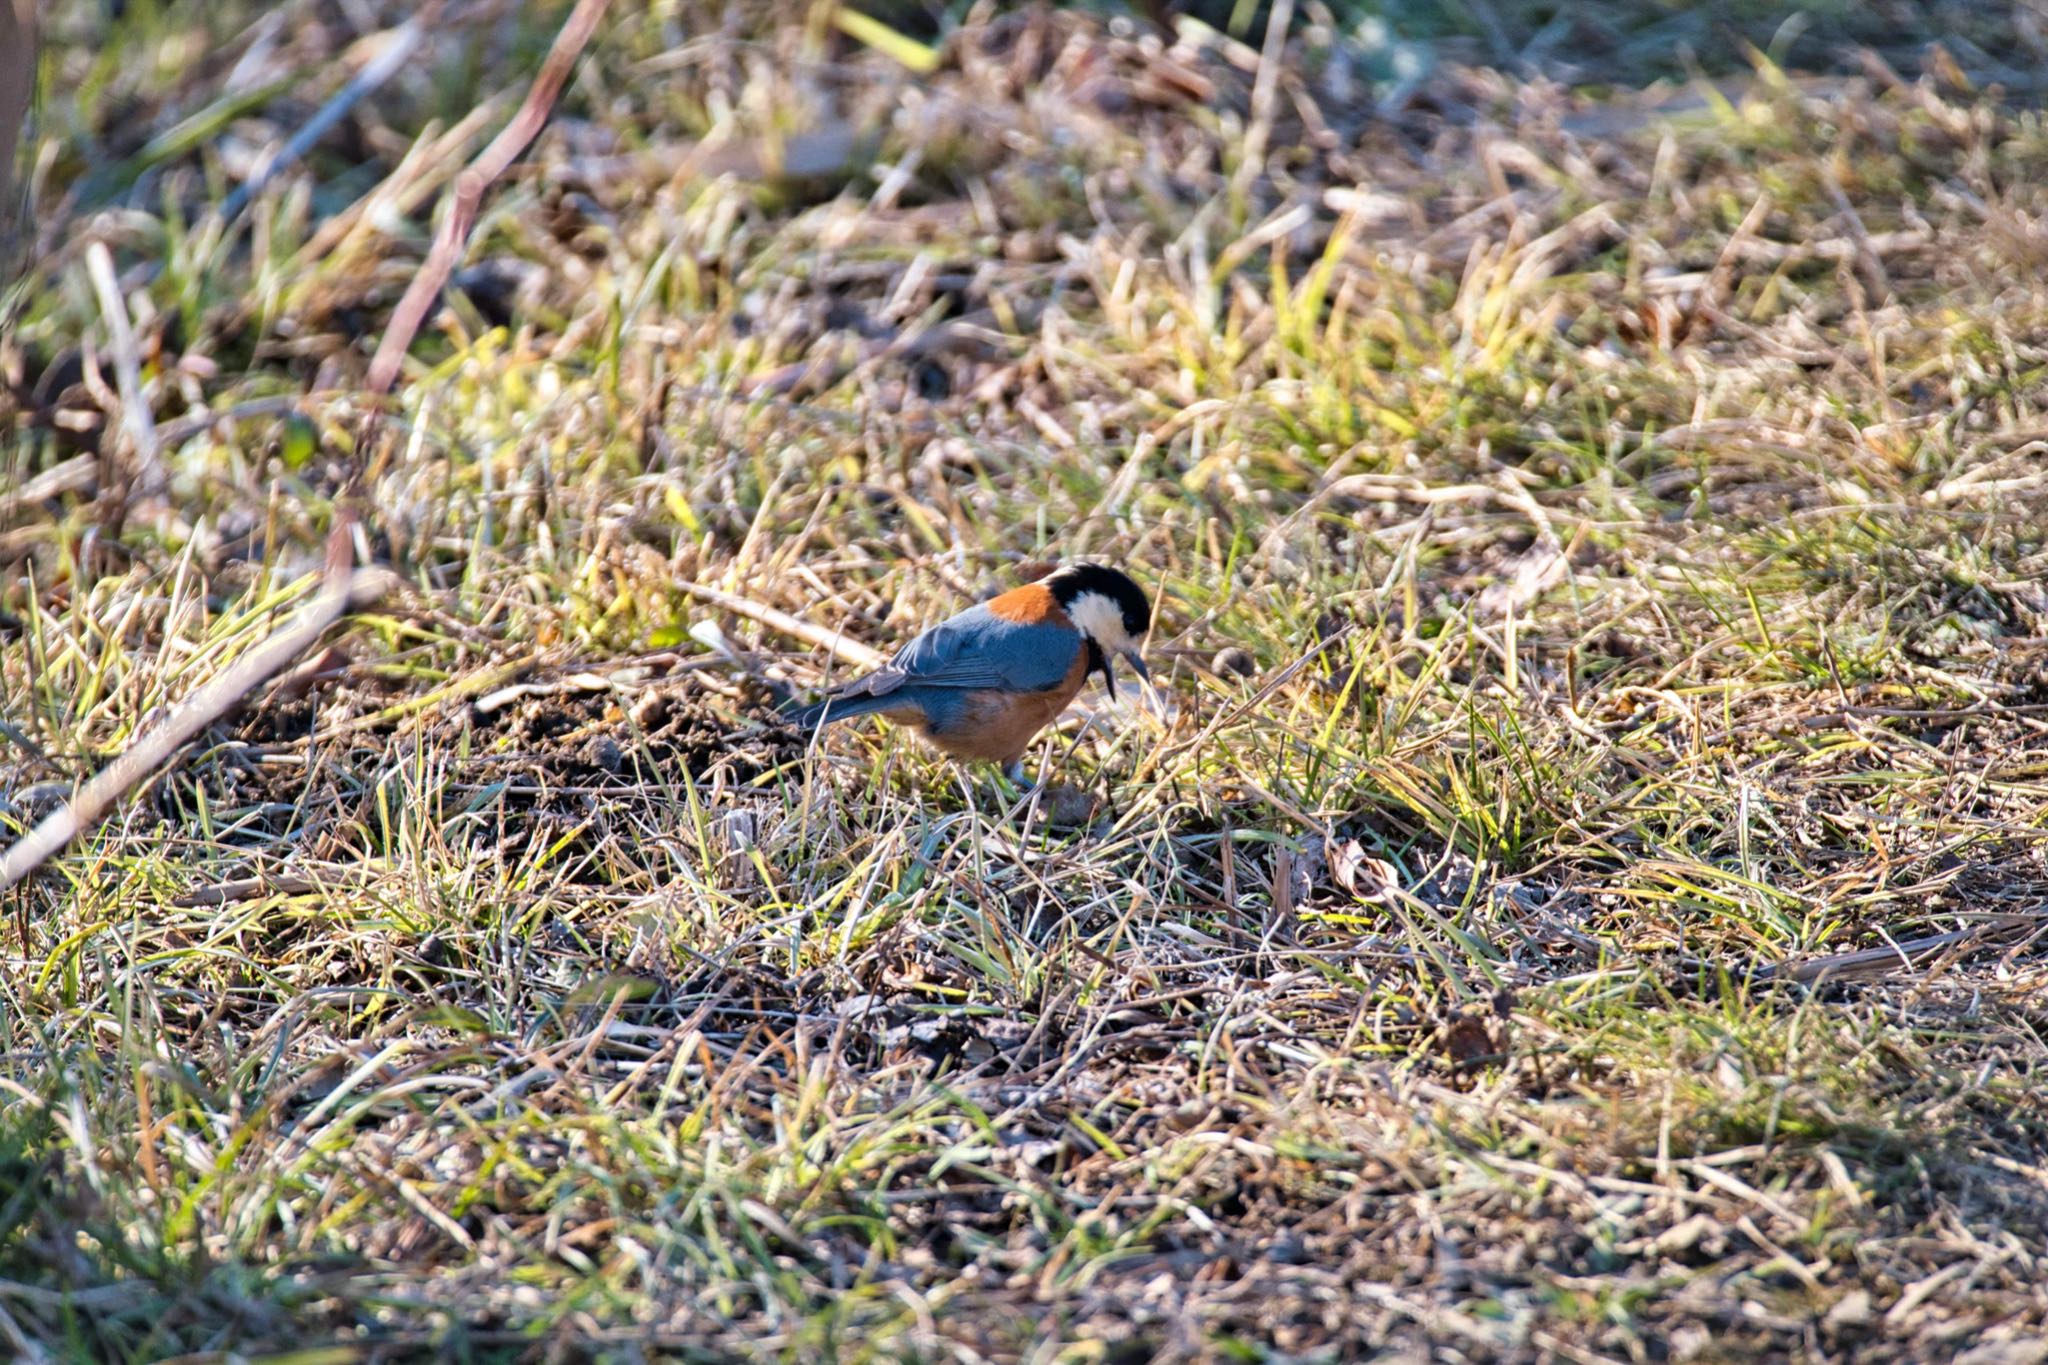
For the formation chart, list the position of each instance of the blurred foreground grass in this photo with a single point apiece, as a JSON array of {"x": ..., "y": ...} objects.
[{"x": 1599, "y": 541}]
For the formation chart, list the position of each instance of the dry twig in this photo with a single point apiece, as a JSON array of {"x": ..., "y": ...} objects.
[
  {"x": 148, "y": 755},
  {"x": 135, "y": 414},
  {"x": 849, "y": 651},
  {"x": 470, "y": 185},
  {"x": 399, "y": 45}
]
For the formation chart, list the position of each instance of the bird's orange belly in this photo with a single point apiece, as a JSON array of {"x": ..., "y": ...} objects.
[{"x": 997, "y": 727}]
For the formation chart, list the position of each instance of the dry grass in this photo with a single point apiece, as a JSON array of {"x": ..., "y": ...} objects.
[{"x": 1592, "y": 913}]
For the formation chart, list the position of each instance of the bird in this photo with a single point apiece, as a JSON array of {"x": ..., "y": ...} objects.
[{"x": 978, "y": 685}]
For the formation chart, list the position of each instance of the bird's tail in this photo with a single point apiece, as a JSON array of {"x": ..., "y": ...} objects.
[{"x": 839, "y": 708}]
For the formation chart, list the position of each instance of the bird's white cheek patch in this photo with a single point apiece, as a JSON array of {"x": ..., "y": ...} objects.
[{"x": 1100, "y": 619}]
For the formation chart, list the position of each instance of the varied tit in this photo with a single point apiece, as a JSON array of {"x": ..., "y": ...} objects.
[{"x": 979, "y": 685}]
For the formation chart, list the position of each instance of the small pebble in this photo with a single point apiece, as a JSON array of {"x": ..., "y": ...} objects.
[
  {"x": 1235, "y": 662},
  {"x": 1067, "y": 806}
]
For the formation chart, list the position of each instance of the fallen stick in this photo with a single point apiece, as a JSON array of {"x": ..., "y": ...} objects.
[
  {"x": 214, "y": 699},
  {"x": 470, "y": 184},
  {"x": 1896, "y": 956},
  {"x": 248, "y": 888},
  {"x": 192, "y": 423},
  {"x": 399, "y": 194},
  {"x": 848, "y": 651},
  {"x": 135, "y": 415},
  {"x": 399, "y": 44},
  {"x": 71, "y": 476}
]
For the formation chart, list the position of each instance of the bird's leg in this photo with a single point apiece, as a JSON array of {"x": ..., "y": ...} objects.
[
  {"x": 1023, "y": 790},
  {"x": 1018, "y": 794}
]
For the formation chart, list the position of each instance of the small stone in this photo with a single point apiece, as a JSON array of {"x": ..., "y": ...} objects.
[
  {"x": 1067, "y": 806},
  {"x": 1233, "y": 662},
  {"x": 1851, "y": 1310},
  {"x": 1683, "y": 1237}
]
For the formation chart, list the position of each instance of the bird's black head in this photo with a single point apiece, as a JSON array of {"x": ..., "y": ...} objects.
[
  {"x": 1109, "y": 610},
  {"x": 1125, "y": 614}
]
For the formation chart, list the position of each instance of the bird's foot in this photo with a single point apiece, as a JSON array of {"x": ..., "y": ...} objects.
[{"x": 1061, "y": 805}]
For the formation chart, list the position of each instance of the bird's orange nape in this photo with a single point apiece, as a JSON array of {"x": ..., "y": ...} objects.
[{"x": 1031, "y": 605}]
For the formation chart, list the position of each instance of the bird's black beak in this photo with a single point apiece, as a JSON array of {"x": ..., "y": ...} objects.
[{"x": 1130, "y": 656}]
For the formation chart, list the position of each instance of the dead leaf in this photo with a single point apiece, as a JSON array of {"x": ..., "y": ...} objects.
[
  {"x": 1469, "y": 1039},
  {"x": 1536, "y": 571},
  {"x": 1364, "y": 876}
]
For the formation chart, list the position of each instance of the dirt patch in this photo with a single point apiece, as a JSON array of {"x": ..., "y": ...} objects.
[
  {"x": 620, "y": 736},
  {"x": 550, "y": 744}
]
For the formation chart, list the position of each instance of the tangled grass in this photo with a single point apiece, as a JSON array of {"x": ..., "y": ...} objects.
[{"x": 1575, "y": 894}]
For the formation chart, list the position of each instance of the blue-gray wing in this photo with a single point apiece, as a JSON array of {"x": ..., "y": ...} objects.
[{"x": 977, "y": 648}]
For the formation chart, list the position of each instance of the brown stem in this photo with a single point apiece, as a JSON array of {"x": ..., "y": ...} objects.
[{"x": 468, "y": 192}]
